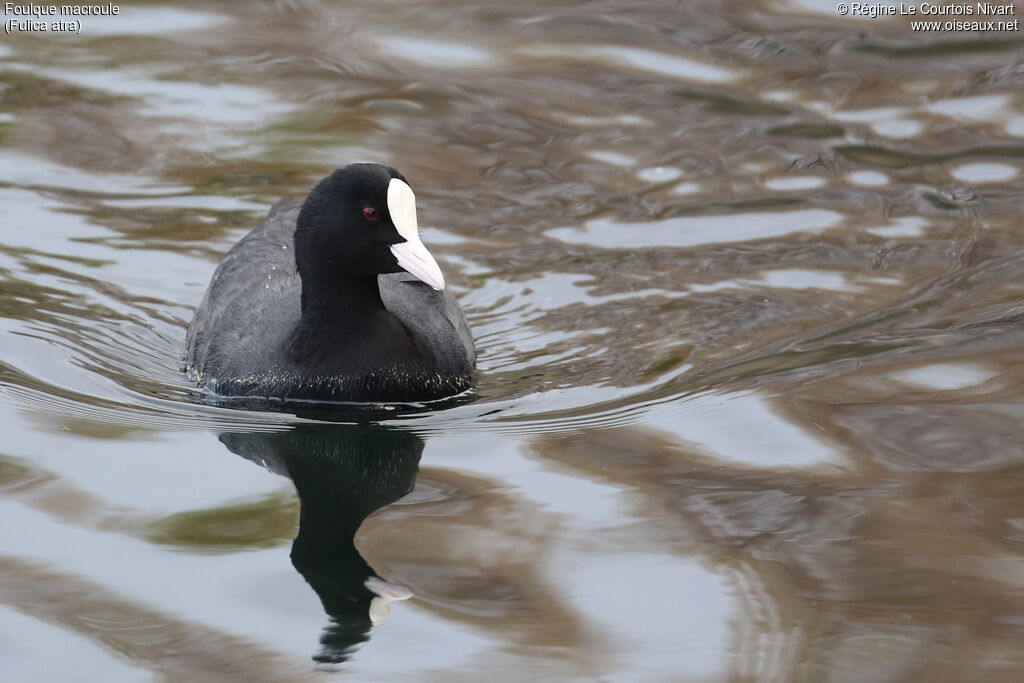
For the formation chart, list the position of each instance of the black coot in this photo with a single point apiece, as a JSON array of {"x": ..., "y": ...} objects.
[{"x": 333, "y": 300}]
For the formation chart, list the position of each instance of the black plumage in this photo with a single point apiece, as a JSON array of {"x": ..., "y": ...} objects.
[{"x": 313, "y": 305}]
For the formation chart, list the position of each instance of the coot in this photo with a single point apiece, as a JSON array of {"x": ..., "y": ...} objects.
[{"x": 335, "y": 299}]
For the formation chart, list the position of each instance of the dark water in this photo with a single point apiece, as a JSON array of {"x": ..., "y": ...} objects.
[{"x": 746, "y": 285}]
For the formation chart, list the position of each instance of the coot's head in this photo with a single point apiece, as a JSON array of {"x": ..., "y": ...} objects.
[{"x": 358, "y": 222}]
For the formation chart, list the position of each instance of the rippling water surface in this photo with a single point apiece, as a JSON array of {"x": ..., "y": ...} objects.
[{"x": 746, "y": 283}]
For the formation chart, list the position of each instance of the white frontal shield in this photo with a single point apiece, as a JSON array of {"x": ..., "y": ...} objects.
[{"x": 411, "y": 254}]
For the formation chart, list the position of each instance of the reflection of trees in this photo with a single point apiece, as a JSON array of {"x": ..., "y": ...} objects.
[
  {"x": 869, "y": 569},
  {"x": 842, "y": 575},
  {"x": 476, "y": 555}
]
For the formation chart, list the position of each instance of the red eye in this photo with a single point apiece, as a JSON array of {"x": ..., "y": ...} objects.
[{"x": 370, "y": 213}]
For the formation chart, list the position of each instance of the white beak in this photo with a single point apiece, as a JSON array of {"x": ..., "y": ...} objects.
[
  {"x": 411, "y": 254},
  {"x": 387, "y": 593}
]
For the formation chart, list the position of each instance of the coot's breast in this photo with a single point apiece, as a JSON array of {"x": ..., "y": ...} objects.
[{"x": 434, "y": 317}]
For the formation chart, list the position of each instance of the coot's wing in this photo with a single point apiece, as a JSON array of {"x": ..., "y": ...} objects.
[
  {"x": 434, "y": 317},
  {"x": 253, "y": 302}
]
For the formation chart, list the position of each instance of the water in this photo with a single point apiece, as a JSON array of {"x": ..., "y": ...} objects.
[{"x": 746, "y": 287}]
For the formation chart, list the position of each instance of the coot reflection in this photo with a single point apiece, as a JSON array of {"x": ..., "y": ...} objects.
[{"x": 342, "y": 474}]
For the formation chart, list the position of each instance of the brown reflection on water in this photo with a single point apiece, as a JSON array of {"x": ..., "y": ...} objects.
[
  {"x": 901, "y": 565},
  {"x": 471, "y": 553},
  {"x": 159, "y": 644},
  {"x": 264, "y": 522}
]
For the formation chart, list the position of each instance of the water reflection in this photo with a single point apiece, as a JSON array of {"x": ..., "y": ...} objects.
[
  {"x": 342, "y": 473},
  {"x": 746, "y": 282}
]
